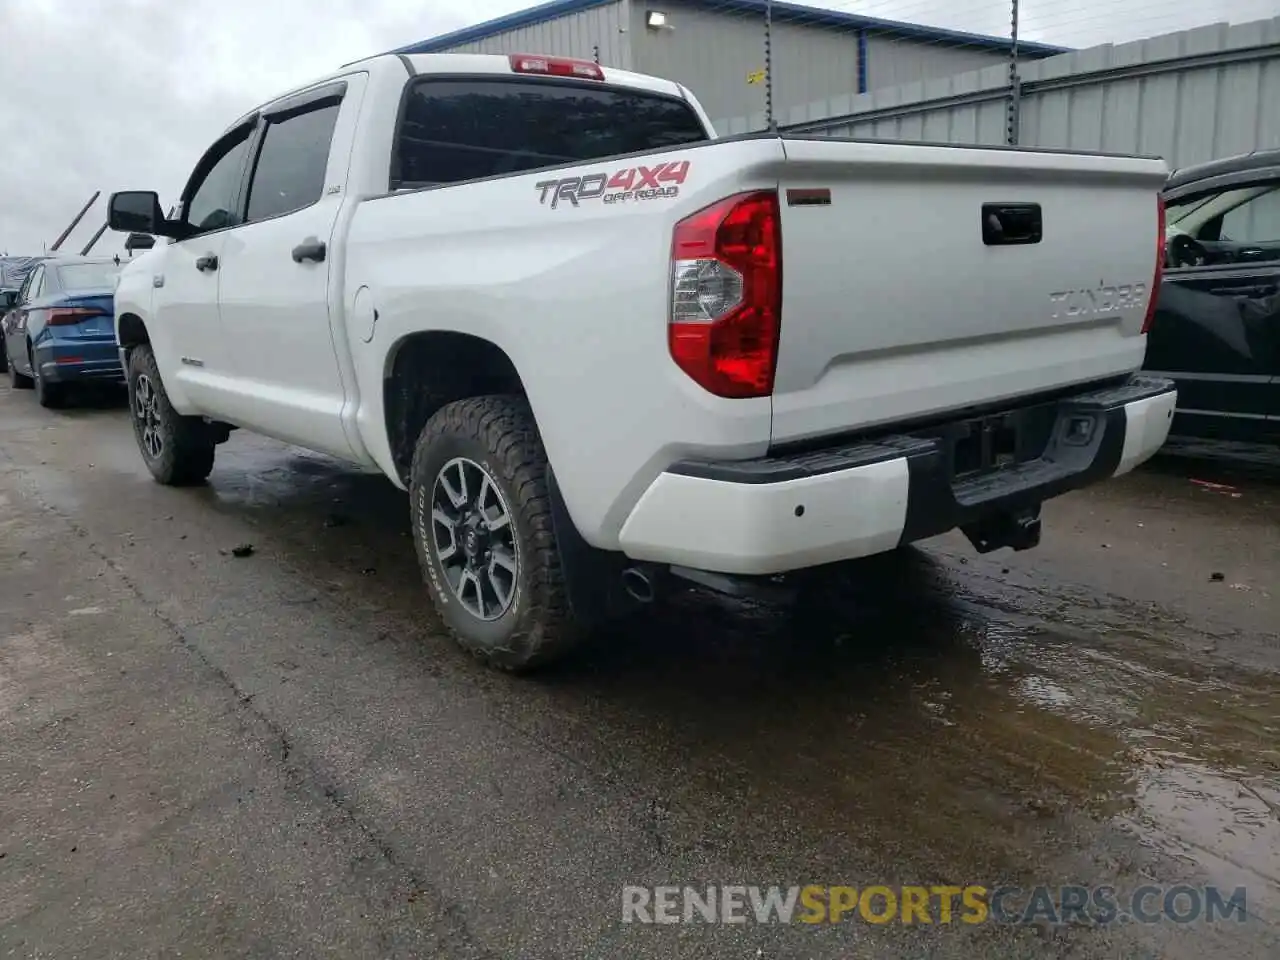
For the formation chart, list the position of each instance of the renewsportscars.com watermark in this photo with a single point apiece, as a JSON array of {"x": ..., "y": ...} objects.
[{"x": 819, "y": 904}]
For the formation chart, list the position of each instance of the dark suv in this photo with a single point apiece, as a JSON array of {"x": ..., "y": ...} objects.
[{"x": 1217, "y": 325}]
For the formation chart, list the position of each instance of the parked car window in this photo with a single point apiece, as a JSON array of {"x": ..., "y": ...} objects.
[
  {"x": 1225, "y": 227},
  {"x": 88, "y": 276},
  {"x": 24, "y": 291},
  {"x": 37, "y": 284},
  {"x": 455, "y": 130},
  {"x": 291, "y": 165},
  {"x": 213, "y": 203},
  {"x": 1256, "y": 220}
]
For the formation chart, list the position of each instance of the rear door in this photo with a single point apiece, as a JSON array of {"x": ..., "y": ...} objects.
[
  {"x": 1217, "y": 324},
  {"x": 274, "y": 288}
]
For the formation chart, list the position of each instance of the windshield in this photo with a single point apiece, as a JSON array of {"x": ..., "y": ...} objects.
[{"x": 88, "y": 276}]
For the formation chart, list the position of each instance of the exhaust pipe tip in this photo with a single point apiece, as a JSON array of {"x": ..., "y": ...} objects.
[{"x": 638, "y": 584}]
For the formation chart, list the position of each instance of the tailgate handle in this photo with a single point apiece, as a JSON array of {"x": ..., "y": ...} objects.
[{"x": 1007, "y": 224}]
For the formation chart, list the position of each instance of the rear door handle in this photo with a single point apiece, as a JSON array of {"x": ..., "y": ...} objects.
[
  {"x": 208, "y": 262},
  {"x": 309, "y": 249}
]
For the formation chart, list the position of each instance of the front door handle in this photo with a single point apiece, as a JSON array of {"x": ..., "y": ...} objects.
[
  {"x": 309, "y": 249},
  {"x": 208, "y": 262}
]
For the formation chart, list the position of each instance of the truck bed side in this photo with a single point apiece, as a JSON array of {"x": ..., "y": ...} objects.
[{"x": 577, "y": 296}]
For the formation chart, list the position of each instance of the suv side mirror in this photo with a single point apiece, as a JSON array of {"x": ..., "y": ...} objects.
[
  {"x": 139, "y": 241},
  {"x": 8, "y": 300},
  {"x": 137, "y": 211}
]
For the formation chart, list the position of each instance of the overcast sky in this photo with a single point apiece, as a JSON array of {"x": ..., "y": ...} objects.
[{"x": 119, "y": 94}]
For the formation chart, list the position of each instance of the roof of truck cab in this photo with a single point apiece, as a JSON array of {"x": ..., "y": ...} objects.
[
  {"x": 499, "y": 64},
  {"x": 1240, "y": 163},
  {"x": 790, "y": 12}
]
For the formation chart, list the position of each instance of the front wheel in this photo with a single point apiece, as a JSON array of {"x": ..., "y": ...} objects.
[
  {"x": 178, "y": 450},
  {"x": 481, "y": 516}
]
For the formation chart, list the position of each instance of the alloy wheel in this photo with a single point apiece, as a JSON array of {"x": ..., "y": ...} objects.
[
  {"x": 144, "y": 408},
  {"x": 474, "y": 538}
]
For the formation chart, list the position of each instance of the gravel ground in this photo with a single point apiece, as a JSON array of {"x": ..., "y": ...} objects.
[{"x": 279, "y": 756}]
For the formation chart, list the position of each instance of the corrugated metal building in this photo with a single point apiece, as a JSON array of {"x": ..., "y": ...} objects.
[{"x": 716, "y": 47}]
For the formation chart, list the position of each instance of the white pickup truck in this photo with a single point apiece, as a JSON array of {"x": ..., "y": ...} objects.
[{"x": 599, "y": 345}]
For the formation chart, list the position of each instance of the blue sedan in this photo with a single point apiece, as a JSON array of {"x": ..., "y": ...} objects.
[{"x": 61, "y": 330}]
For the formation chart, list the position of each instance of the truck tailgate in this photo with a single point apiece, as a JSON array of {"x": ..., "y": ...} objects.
[{"x": 932, "y": 279}]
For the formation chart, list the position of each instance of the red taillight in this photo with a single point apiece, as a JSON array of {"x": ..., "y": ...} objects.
[
  {"x": 556, "y": 66},
  {"x": 70, "y": 316},
  {"x": 726, "y": 295},
  {"x": 1159, "y": 273}
]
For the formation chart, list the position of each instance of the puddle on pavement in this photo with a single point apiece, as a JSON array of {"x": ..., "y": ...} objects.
[{"x": 920, "y": 713}]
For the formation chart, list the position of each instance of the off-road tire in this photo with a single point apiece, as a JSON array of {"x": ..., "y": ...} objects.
[
  {"x": 497, "y": 433},
  {"x": 19, "y": 381},
  {"x": 187, "y": 443},
  {"x": 51, "y": 396}
]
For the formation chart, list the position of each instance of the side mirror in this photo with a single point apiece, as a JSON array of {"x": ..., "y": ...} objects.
[
  {"x": 139, "y": 241},
  {"x": 8, "y": 300},
  {"x": 137, "y": 211}
]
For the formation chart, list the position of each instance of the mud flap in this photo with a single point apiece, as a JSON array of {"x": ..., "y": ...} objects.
[{"x": 593, "y": 577}]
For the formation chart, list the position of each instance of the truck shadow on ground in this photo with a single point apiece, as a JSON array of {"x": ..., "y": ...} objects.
[{"x": 903, "y": 711}]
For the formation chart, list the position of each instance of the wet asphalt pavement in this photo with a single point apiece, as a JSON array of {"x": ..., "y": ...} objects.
[{"x": 279, "y": 756}]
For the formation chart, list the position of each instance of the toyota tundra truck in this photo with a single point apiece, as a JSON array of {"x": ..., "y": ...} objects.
[{"x": 602, "y": 347}]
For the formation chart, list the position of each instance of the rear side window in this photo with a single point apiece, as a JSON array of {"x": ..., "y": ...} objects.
[
  {"x": 453, "y": 130},
  {"x": 88, "y": 276},
  {"x": 291, "y": 166}
]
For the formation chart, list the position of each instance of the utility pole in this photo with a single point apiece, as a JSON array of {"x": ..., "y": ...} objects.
[
  {"x": 79, "y": 216},
  {"x": 1012, "y": 121},
  {"x": 92, "y": 240},
  {"x": 768, "y": 67}
]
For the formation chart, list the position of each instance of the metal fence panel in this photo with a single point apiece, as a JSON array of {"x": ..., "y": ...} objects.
[{"x": 1187, "y": 97}]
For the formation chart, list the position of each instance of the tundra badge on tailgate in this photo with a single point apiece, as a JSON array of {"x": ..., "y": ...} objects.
[
  {"x": 633, "y": 183},
  {"x": 1106, "y": 298}
]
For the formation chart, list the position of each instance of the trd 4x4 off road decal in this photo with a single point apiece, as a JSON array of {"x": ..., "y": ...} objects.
[{"x": 633, "y": 183}]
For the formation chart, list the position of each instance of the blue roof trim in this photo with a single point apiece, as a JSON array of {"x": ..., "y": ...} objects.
[{"x": 781, "y": 11}]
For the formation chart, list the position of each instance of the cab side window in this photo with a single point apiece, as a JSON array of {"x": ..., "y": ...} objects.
[
  {"x": 212, "y": 203},
  {"x": 290, "y": 171}
]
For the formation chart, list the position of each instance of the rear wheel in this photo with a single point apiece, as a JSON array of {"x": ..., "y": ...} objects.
[
  {"x": 482, "y": 527},
  {"x": 48, "y": 395},
  {"x": 177, "y": 449}
]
